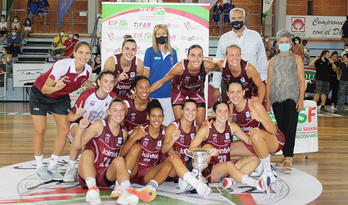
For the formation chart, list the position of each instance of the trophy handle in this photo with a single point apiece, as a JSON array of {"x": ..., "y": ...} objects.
[
  {"x": 186, "y": 152},
  {"x": 211, "y": 152}
]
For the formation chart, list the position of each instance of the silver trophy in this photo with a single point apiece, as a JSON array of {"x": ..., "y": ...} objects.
[{"x": 199, "y": 161}]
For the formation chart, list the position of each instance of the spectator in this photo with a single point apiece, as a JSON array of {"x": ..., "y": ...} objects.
[
  {"x": 3, "y": 29},
  {"x": 344, "y": 31},
  {"x": 333, "y": 80},
  {"x": 96, "y": 64},
  {"x": 216, "y": 18},
  {"x": 6, "y": 58},
  {"x": 14, "y": 43},
  {"x": 342, "y": 73},
  {"x": 227, "y": 8},
  {"x": 306, "y": 50},
  {"x": 58, "y": 44},
  {"x": 268, "y": 46},
  {"x": 344, "y": 51},
  {"x": 42, "y": 6},
  {"x": 275, "y": 48},
  {"x": 298, "y": 48},
  {"x": 323, "y": 66},
  {"x": 248, "y": 40},
  {"x": 69, "y": 44},
  {"x": 16, "y": 25},
  {"x": 26, "y": 29},
  {"x": 32, "y": 7},
  {"x": 76, "y": 36}
]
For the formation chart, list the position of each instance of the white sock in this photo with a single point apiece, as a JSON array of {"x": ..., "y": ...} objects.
[
  {"x": 72, "y": 162},
  {"x": 90, "y": 181},
  {"x": 153, "y": 184},
  {"x": 39, "y": 162},
  {"x": 247, "y": 180},
  {"x": 53, "y": 161},
  {"x": 266, "y": 163},
  {"x": 125, "y": 185}
]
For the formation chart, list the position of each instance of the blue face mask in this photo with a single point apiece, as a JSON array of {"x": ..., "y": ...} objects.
[
  {"x": 98, "y": 59},
  {"x": 71, "y": 35},
  {"x": 297, "y": 42},
  {"x": 14, "y": 33},
  {"x": 284, "y": 48}
]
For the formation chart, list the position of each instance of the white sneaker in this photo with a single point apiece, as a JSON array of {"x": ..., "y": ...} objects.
[
  {"x": 42, "y": 174},
  {"x": 271, "y": 174},
  {"x": 116, "y": 192},
  {"x": 333, "y": 107},
  {"x": 183, "y": 185},
  {"x": 202, "y": 189},
  {"x": 264, "y": 183},
  {"x": 227, "y": 182},
  {"x": 70, "y": 174},
  {"x": 258, "y": 171},
  {"x": 92, "y": 196},
  {"x": 146, "y": 194},
  {"x": 127, "y": 197},
  {"x": 55, "y": 175}
]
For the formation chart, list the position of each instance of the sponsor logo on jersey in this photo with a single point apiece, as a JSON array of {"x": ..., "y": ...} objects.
[
  {"x": 215, "y": 139},
  {"x": 133, "y": 118},
  {"x": 150, "y": 155},
  {"x": 182, "y": 140},
  {"x": 107, "y": 138},
  {"x": 242, "y": 80},
  {"x": 123, "y": 87},
  {"x": 171, "y": 60},
  {"x": 92, "y": 103},
  {"x": 247, "y": 114},
  {"x": 192, "y": 136},
  {"x": 132, "y": 74},
  {"x": 120, "y": 140},
  {"x": 145, "y": 143},
  {"x": 109, "y": 153},
  {"x": 227, "y": 136},
  {"x": 225, "y": 150},
  {"x": 158, "y": 58},
  {"x": 159, "y": 143}
]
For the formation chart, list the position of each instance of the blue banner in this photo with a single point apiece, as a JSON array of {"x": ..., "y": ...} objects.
[{"x": 64, "y": 6}]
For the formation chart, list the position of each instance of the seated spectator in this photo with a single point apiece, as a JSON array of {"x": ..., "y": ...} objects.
[
  {"x": 3, "y": 29},
  {"x": 275, "y": 48},
  {"x": 216, "y": 18},
  {"x": 26, "y": 29},
  {"x": 76, "y": 36},
  {"x": 344, "y": 51},
  {"x": 268, "y": 46},
  {"x": 14, "y": 43},
  {"x": 6, "y": 58},
  {"x": 306, "y": 50},
  {"x": 58, "y": 44},
  {"x": 297, "y": 48},
  {"x": 16, "y": 25},
  {"x": 69, "y": 44},
  {"x": 96, "y": 64}
]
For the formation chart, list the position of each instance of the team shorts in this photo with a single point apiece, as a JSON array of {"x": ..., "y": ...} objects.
[
  {"x": 216, "y": 18},
  {"x": 139, "y": 177},
  {"x": 179, "y": 96},
  {"x": 101, "y": 179},
  {"x": 322, "y": 87},
  {"x": 227, "y": 18},
  {"x": 281, "y": 141},
  {"x": 40, "y": 104},
  {"x": 58, "y": 51}
]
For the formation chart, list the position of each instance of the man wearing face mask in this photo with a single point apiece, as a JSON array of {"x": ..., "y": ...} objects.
[
  {"x": 69, "y": 44},
  {"x": 249, "y": 41},
  {"x": 58, "y": 44},
  {"x": 14, "y": 43}
]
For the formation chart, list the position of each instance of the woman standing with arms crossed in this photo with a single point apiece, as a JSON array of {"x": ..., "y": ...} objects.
[
  {"x": 285, "y": 93},
  {"x": 50, "y": 93},
  {"x": 158, "y": 60}
]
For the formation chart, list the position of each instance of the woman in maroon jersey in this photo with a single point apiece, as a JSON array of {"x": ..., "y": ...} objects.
[
  {"x": 136, "y": 114},
  {"x": 50, "y": 93},
  {"x": 100, "y": 163},
  {"x": 250, "y": 114},
  {"x": 187, "y": 80},
  {"x": 218, "y": 135},
  {"x": 126, "y": 66}
]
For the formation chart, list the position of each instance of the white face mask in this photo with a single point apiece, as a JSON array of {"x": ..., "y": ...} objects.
[
  {"x": 266, "y": 40},
  {"x": 62, "y": 33},
  {"x": 16, "y": 20},
  {"x": 346, "y": 49}
]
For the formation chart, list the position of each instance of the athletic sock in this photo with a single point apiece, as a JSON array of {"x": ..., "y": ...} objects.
[
  {"x": 125, "y": 185},
  {"x": 39, "y": 162},
  {"x": 266, "y": 163},
  {"x": 53, "y": 161},
  {"x": 247, "y": 180},
  {"x": 90, "y": 181},
  {"x": 153, "y": 184},
  {"x": 72, "y": 162}
]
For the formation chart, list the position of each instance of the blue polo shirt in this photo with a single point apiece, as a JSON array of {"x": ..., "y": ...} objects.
[
  {"x": 17, "y": 40},
  {"x": 159, "y": 67}
]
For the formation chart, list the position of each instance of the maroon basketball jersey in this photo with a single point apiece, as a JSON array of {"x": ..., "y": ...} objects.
[
  {"x": 184, "y": 140},
  {"x": 244, "y": 120},
  {"x": 186, "y": 81},
  {"x": 123, "y": 88},
  {"x": 221, "y": 142},
  {"x": 105, "y": 147},
  {"x": 151, "y": 149},
  {"x": 134, "y": 117},
  {"x": 249, "y": 85}
]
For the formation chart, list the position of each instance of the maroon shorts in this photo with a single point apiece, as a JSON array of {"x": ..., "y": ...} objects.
[
  {"x": 179, "y": 96},
  {"x": 140, "y": 175},
  {"x": 100, "y": 178},
  {"x": 281, "y": 141}
]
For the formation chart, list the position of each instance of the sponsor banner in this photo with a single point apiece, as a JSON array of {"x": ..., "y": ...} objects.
[
  {"x": 63, "y": 8},
  {"x": 266, "y": 6},
  {"x": 188, "y": 24},
  {"x": 315, "y": 26},
  {"x": 307, "y": 128}
]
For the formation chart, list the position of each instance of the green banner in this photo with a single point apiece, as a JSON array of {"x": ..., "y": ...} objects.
[
  {"x": 266, "y": 6},
  {"x": 9, "y": 8}
]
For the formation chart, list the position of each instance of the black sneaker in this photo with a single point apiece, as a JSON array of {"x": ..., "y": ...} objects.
[{"x": 323, "y": 109}]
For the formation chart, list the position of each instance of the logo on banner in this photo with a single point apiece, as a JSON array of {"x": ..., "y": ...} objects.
[
  {"x": 298, "y": 24},
  {"x": 157, "y": 13},
  {"x": 142, "y": 25},
  {"x": 188, "y": 26},
  {"x": 143, "y": 36},
  {"x": 117, "y": 25}
]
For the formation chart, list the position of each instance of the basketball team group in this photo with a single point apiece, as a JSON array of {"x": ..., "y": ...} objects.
[{"x": 142, "y": 121}]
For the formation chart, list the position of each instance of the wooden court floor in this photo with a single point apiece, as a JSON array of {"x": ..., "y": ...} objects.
[{"x": 329, "y": 165}]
